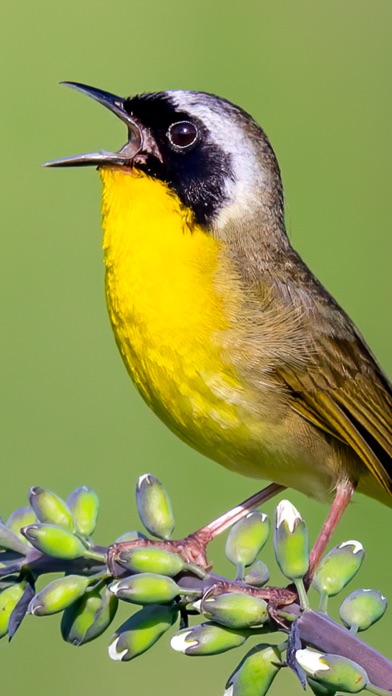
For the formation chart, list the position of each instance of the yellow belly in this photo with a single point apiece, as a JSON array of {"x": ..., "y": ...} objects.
[{"x": 167, "y": 314}]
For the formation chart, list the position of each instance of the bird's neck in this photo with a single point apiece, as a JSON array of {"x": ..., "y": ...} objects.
[{"x": 256, "y": 241}]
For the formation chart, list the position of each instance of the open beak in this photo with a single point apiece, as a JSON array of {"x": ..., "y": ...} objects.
[{"x": 123, "y": 156}]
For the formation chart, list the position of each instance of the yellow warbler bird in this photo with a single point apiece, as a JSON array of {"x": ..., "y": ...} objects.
[{"x": 226, "y": 333}]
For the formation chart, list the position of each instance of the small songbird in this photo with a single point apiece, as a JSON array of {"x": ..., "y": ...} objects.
[{"x": 226, "y": 333}]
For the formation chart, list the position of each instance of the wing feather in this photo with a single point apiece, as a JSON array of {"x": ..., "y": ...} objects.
[{"x": 343, "y": 392}]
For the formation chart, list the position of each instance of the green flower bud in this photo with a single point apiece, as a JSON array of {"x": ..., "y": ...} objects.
[
  {"x": 362, "y": 608},
  {"x": 235, "y": 610},
  {"x": 151, "y": 559},
  {"x": 154, "y": 507},
  {"x": 141, "y": 631},
  {"x": 291, "y": 541},
  {"x": 258, "y": 574},
  {"x": 19, "y": 518},
  {"x": 246, "y": 539},
  {"x": 54, "y": 541},
  {"x": 83, "y": 503},
  {"x": 58, "y": 595},
  {"x": 146, "y": 588},
  {"x": 9, "y": 598},
  {"x": 333, "y": 671},
  {"x": 319, "y": 689},
  {"x": 206, "y": 639},
  {"x": 338, "y": 567},
  {"x": 50, "y": 509},
  {"x": 88, "y": 617},
  {"x": 11, "y": 541},
  {"x": 130, "y": 536},
  {"x": 255, "y": 673}
]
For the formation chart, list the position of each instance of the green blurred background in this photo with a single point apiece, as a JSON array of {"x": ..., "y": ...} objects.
[{"x": 316, "y": 75}]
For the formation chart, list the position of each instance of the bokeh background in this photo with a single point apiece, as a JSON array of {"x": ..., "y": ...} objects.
[{"x": 317, "y": 77}]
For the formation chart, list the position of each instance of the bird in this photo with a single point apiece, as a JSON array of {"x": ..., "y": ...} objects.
[{"x": 226, "y": 333}]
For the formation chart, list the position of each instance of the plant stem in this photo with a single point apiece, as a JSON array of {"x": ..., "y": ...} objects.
[
  {"x": 303, "y": 597},
  {"x": 376, "y": 690}
]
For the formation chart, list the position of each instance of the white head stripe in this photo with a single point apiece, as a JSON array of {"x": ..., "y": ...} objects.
[{"x": 233, "y": 139}]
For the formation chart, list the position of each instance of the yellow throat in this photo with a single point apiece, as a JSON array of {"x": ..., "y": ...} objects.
[{"x": 167, "y": 314}]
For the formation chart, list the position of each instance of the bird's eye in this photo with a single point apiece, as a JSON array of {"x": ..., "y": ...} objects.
[{"x": 182, "y": 135}]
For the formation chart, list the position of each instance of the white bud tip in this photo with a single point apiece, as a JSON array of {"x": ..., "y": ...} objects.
[
  {"x": 286, "y": 512},
  {"x": 365, "y": 589},
  {"x": 113, "y": 654},
  {"x": 229, "y": 691},
  {"x": 197, "y": 605},
  {"x": 141, "y": 479},
  {"x": 262, "y": 515},
  {"x": 311, "y": 661},
  {"x": 34, "y": 609},
  {"x": 114, "y": 587},
  {"x": 179, "y": 642},
  {"x": 356, "y": 544}
]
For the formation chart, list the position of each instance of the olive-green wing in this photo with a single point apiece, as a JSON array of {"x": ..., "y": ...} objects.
[{"x": 343, "y": 391}]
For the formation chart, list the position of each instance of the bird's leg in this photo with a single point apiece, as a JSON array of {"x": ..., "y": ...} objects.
[
  {"x": 193, "y": 547},
  {"x": 223, "y": 522},
  {"x": 343, "y": 496}
]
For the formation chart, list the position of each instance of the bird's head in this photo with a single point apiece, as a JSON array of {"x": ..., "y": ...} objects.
[{"x": 211, "y": 153}]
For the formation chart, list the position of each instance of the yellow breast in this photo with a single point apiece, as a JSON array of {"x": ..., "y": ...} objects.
[
  {"x": 174, "y": 301},
  {"x": 167, "y": 313}
]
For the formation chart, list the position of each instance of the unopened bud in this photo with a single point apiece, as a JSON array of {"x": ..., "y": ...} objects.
[
  {"x": 141, "y": 631},
  {"x": 206, "y": 639},
  {"x": 58, "y": 595},
  {"x": 132, "y": 535},
  {"x": 19, "y": 518},
  {"x": 154, "y": 506},
  {"x": 146, "y": 588},
  {"x": 151, "y": 559},
  {"x": 88, "y": 617},
  {"x": 258, "y": 574},
  {"x": 291, "y": 541},
  {"x": 246, "y": 538},
  {"x": 50, "y": 508},
  {"x": 9, "y": 598},
  {"x": 54, "y": 541},
  {"x": 10, "y": 540},
  {"x": 338, "y": 567},
  {"x": 83, "y": 503},
  {"x": 255, "y": 673},
  {"x": 333, "y": 671},
  {"x": 320, "y": 690},
  {"x": 362, "y": 608},
  {"x": 235, "y": 610}
]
